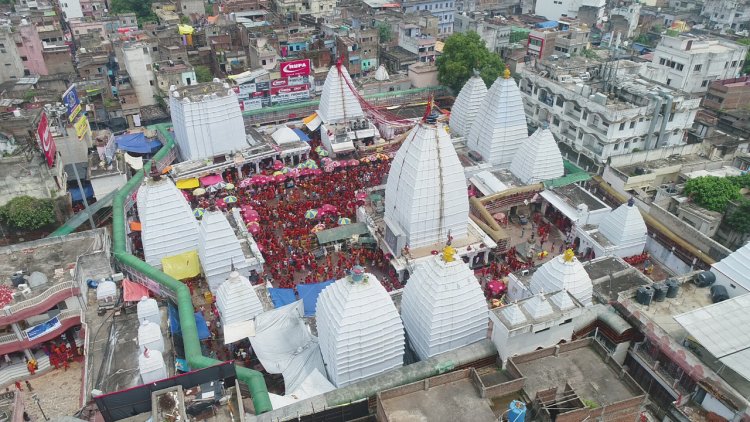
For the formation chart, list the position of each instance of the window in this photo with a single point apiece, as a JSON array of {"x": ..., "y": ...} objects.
[
  {"x": 622, "y": 126},
  {"x": 585, "y": 114},
  {"x": 669, "y": 81},
  {"x": 680, "y": 67},
  {"x": 151, "y": 83},
  {"x": 662, "y": 61},
  {"x": 155, "y": 48},
  {"x": 145, "y": 50},
  {"x": 626, "y": 145},
  {"x": 704, "y": 84},
  {"x": 734, "y": 63},
  {"x": 559, "y": 102},
  {"x": 617, "y": 146},
  {"x": 640, "y": 120},
  {"x": 697, "y": 67},
  {"x": 24, "y": 58},
  {"x": 632, "y": 124},
  {"x": 556, "y": 121}
]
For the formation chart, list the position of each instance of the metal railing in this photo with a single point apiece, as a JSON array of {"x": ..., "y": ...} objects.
[
  {"x": 8, "y": 338},
  {"x": 36, "y": 300}
]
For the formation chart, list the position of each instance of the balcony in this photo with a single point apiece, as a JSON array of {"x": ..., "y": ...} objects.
[
  {"x": 68, "y": 318},
  {"x": 39, "y": 303},
  {"x": 574, "y": 114}
]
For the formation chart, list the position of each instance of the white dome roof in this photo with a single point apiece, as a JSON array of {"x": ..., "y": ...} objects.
[
  {"x": 624, "y": 225},
  {"x": 218, "y": 249},
  {"x": 168, "y": 226},
  {"x": 381, "y": 74},
  {"x": 148, "y": 309},
  {"x": 151, "y": 366},
  {"x": 359, "y": 329},
  {"x": 426, "y": 190},
  {"x": 337, "y": 101},
  {"x": 502, "y": 128},
  {"x": 467, "y": 105},
  {"x": 563, "y": 272},
  {"x": 149, "y": 336},
  {"x": 237, "y": 300},
  {"x": 284, "y": 135},
  {"x": 538, "y": 159},
  {"x": 513, "y": 314},
  {"x": 443, "y": 307}
]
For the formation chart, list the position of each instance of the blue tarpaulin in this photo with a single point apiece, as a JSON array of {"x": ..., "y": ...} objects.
[
  {"x": 547, "y": 24},
  {"x": 302, "y": 135},
  {"x": 137, "y": 142},
  {"x": 281, "y": 297},
  {"x": 309, "y": 295},
  {"x": 75, "y": 193},
  {"x": 200, "y": 323}
]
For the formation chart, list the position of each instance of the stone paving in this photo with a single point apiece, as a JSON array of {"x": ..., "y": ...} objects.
[{"x": 59, "y": 393}]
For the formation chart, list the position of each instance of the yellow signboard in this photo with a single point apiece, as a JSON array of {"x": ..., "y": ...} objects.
[
  {"x": 82, "y": 126},
  {"x": 74, "y": 113}
]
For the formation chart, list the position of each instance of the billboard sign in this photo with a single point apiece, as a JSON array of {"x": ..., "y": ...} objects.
[
  {"x": 82, "y": 127},
  {"x": 43, "y": 328},
  {"x": 278, "y": 83},
  {"x": 290, "y": 89},
  {"x": 254, "y": 104},
  {"x": 46, "y": 141},
  {"x": 72, "y": 102},
  {"x": 295, "y": 68}
]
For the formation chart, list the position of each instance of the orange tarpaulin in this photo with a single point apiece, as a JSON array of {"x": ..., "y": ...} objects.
[
  {"x": 133, "y": 292},
  {"x": 135, "y": 226}
]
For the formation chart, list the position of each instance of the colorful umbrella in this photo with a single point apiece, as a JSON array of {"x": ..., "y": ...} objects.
[
  {"x": 329, "y": 168},
  {"x": 285, "y": 170},
  {"x": 231, "y": 199},
  {"x": 279, "y": 177},
  {"x": 253, "y": 227},
  {"x": 361, "y": 195},
  {"x": 245, "y": 183},
  {"x": 311, "y": 214},
  {"x": 318, "y": 228},
  {"x": 278, "y": 165},
  {"x": 199, "y": 192},
  {"x": 301, "y": 165},
  {"x": 251, "y": 218},
  {"x": 230, "y": 186},
  {"x": 250, "y": 213},
  {"x": 311, "y": 164},
  {"x": 295, "y": 173},
  {"x": 198, "y": 212},
  {"x": 325, "y": 160},
  {"x": 276, "y": 173},
  {"x": 344, "y": 221}
]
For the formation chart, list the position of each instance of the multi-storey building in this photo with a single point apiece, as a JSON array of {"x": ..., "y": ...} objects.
[
  {"x": 172, "y": 73},
  {"x": 71, "y": 9},
  {"x": 600, "y": 120},
  {"x": 556, "y": 9},
  {"x": 444, "y": 10},
  {"x": 690, "y": 63},
  {"x": 494, "y": 33},
  {"x": 557, "y": 38},
  {"x": 11, "y": 66},
  {"x": 727, "y": 14},
  {"x": 49, "y": 302},
  {"x": 359, "y": 50},
  {"x": 624, "y": 19},
  {"x": 138, "y": 63},
  {"x": 316, "y": 8}
]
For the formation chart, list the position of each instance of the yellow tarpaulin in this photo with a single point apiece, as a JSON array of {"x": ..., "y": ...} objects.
[
  {"x": 185, "y": 29},
  {"x": 188, "y": 184},
  {"x": 182, "y": 266}
]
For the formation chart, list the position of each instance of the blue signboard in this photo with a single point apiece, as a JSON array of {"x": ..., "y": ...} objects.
[
  {"x": 43, "y": 328},
  {"x": 72, "y": 102}
]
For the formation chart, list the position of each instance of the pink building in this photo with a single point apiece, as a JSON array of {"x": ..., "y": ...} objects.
[{"x": 30, "y": 49}]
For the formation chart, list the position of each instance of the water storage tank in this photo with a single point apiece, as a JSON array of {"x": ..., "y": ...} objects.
[
  {"x": 149, "y": 337},
  {"x": 719, "y": 293},
  {"x": 705, "y": 279},
  {"x": 673, "y": 287},
  {"x": 37, "y": 279},
  {"x": 149, "y": 309},
  {"x": 17, "y": 279},
  {"x": 644, "y": 294},
  {"x": 660, "y": 292},
  {"x": 517, "y": 411},
  {"x": 151, "y": 366}
]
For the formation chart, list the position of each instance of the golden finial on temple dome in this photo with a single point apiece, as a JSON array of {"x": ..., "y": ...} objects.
[
  {"x": 449, "y": 254},
  {"x": 569, "y": 255},
  {"x": 506, "y": 72}
]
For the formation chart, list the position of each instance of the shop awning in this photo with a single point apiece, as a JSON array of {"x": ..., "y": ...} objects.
[
  {"x": 302, "y": 135},
  {"x": 188, "y": 183},
  {"x": 132, "y": 291},
  {"x": 340, "y": 233},
  {"x": 182, "y": 266},
  {"x": 312, "y": 121},
  {"x": 210, "y": 180}
]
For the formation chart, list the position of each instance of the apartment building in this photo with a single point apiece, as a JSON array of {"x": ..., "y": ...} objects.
[
  {"x": 11, "y": 66},
  {"x": 598, "y": 121},
  {"x": 557, "y": 9},
  {"x": 555, "y": 38},
  {"x": 444, "y": 10},
  {"x": 494, "y": 33},
  {"x": 690, "y": 63},
  {"x": 359, "y": 50},
  {"x": 316, "y": 8},
  {"x": 727, "y": 14},
  {"x": 138, "y": 62}
]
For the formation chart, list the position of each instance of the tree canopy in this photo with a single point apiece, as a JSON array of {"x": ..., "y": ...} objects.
[
  {"x": 27, "y": 213},
  {"x": 203, "y": 74},
  {"x": 739, "y": 219},
  {"x": 462, "y": 53},
  {"x": 141, "y": 8},
  {"x": 711, "y": 192}
]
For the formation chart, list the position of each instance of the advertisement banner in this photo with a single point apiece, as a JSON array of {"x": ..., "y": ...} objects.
[
  {"x": 43, "y": 328},
  {"x": 72, "y": 102},
  {"x": 260, "y": 86},
  {"x": 255, "y": 104},
  {"x": 246, "y": 89},
  {"x": 46, "y": 141},
  {"x": 82, "y": 126},
  {"x": 290, "y": 89},
  {"x": 295, "y": 68},
  {"x": 297, "y": 80},
  {"x": 278, "y": 83}
]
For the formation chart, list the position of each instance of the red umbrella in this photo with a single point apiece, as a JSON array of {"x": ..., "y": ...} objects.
[
  {"x": 246, "y": 208},
  {"x": 220, "y": 203},
  {"x": 279, "y": 177},
  {"x": 250, "y": 213},
  {"x": 353, "y": 162},
  {"x": 278, "y": 165},
  {"x": 361, "y": 195},
  {"x": 327, "y": 208},
  {"x": 186, "y": 195},
  {"x": 251, "y": 218},
  {"x": 253, "y": 227},
  {"x": 496, "y": 287},
  {"x": 316, "y": 172},
  {"x": 258, "y": 179},
  {"x": 244, "y": 183}
]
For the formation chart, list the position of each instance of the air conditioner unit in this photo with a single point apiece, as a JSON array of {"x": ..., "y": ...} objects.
[{"x": 117, "y": 277}]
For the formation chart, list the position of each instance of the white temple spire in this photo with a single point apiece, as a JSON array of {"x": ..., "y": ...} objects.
[
  {"x": 337, "y": 101},
  {"x": 467, "y": 105},
  {"x": 538, "y": 159},
  {"x": 502, "y": 127},
  {"x": 624, "y": 225}
]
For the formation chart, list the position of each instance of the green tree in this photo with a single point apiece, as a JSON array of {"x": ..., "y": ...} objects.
[
  {"x": 203, "y": 74},
  {"x": 384, "y": 32},
  {"x": 746, "y": 67},
  {"x": 739, "y": 219},
  {"x": 141, "y": 8},
  {"x": 711, "y": 192},
  {"x": 462, "y": 53},
  {"x": 27, "y": 213},
  {"x": 184, "y": 20}
]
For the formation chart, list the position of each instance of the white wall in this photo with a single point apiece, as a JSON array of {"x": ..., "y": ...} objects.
[
  {"x": 138, "y": 64},
  {"x": 511, "y": 344},
  {"x": 666, "y": 257},
  {"x": 733, "y": 289},
  {"x": 71, "y": 9}
]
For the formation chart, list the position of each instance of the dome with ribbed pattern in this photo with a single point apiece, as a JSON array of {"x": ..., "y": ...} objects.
[
  {"x": 467, "y": 105},
  {"x": 538, "y": 159}
]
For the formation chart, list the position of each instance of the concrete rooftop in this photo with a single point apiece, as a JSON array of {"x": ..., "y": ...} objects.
[{"x": 662, "y": 314}]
